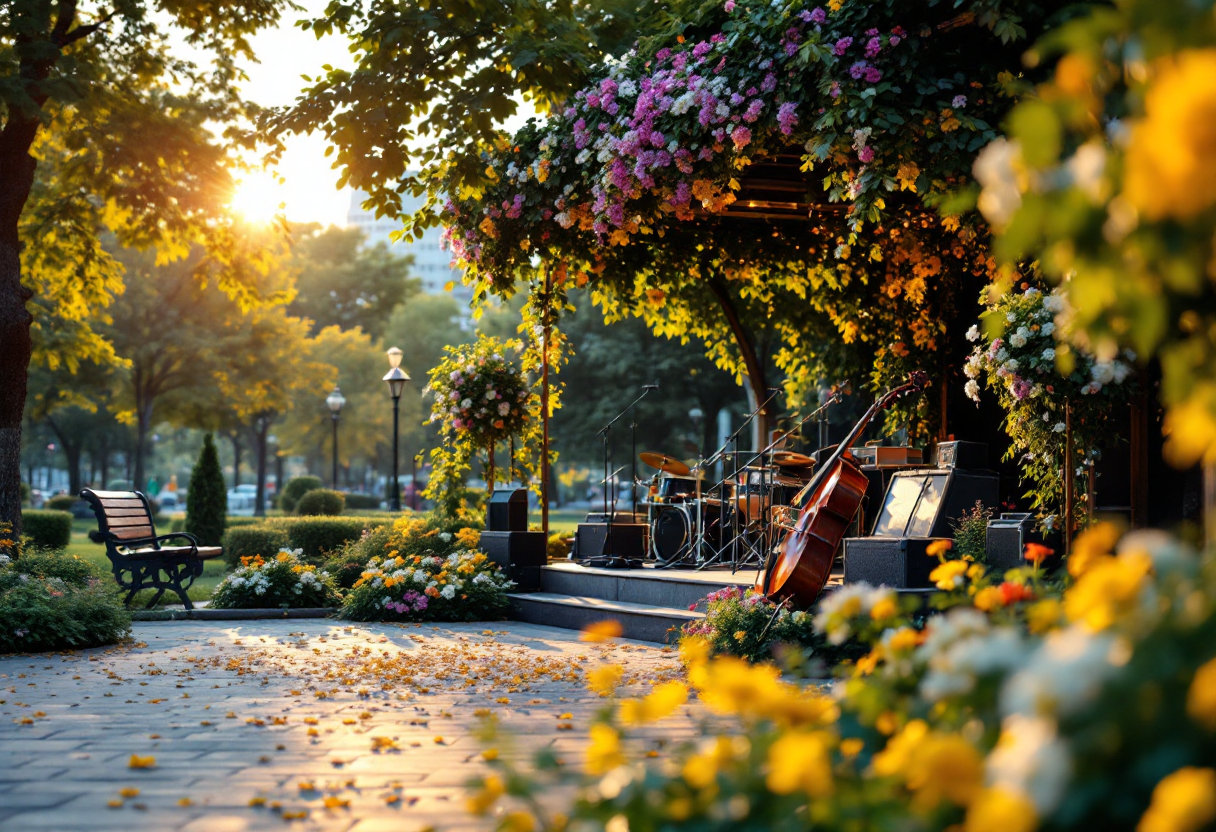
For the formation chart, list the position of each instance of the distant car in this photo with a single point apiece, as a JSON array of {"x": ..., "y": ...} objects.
[
  {"x": 167, "y": 500},
  {"x": 242, "y": 498}
]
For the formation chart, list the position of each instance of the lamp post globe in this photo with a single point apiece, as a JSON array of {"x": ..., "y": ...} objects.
[
  {"x": 335, "y": 401},
  {"x": 395, "y": 379}
]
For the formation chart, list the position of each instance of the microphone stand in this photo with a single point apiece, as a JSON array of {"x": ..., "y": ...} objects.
[{"x": 606, "y": 433}]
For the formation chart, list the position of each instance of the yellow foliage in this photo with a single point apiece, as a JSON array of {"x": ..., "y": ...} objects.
[{"x": 1185, "y": 801}]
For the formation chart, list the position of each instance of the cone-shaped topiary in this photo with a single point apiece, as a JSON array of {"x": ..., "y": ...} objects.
[{"x": 207, "y": 501}]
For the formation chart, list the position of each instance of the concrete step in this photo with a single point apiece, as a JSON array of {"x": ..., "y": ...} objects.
[
  {"x": 643, "y": 622},
  {"x": 650, "y": 587}
]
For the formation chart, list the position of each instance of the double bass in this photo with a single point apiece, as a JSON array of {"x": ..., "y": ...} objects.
[{"x": 798, "y": 567}]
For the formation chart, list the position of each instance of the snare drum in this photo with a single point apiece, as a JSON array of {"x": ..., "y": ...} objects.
[{"x": 673, "y": 489}]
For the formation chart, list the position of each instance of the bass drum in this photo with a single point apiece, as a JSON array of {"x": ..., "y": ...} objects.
[{"x": 671, "y": 535}]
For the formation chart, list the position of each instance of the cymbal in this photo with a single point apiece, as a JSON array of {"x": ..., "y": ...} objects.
[
  {"x": 790, "y": 459},
  {"x": 664, "y": 463}
]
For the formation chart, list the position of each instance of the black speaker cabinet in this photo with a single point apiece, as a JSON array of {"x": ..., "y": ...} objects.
[
  {"x": 1007, "y": 538},
  {"x": 508, "y": 510},
  {"x": 960, "y": 454},
  {"x": 898, "y": 562},
  {"x": 627, "y": 545},
  {"x": 928, "y": 502},
  {"x": 520, "y": 555}
]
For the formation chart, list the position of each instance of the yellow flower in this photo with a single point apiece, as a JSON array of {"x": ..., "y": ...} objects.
[
  {"x": 1044, "y": 615},
  {"x": 701, "y": 769},
  {"x": 601, "y": 631},
  {"x": 1108, "y": 588},
  {"x": 1171, "y": 158},
  {"x": 1183, "y": 802},
  {"x": 518, "y": 822},
  {"x": 731, "y": 685},
  {"x": 949, "y": 575},
  {"x": 905, "y": 638},
  {"x": 907, "y": 175},
  {"x": 988, "y": 599},
  {"x": 851, "y": 747},
  {"x": 483, "y": 800},
  {"x": 801, "y": 761},
  {"x": 694, "y": 650},
  {"x": 1095, "y": 542},
  {"x": 884, "y": 608},
  {"x": 939, "y": 547},
  {"x": 605, "y": 678},
  {"x": 868, "y": 663},
  {"x": 933, "y": 765},
  {"x": 740, "y": 635},
  {"x": 660, "y": 704},
  {"x": 604, "y": 754},
  {"x": 1000, "y": 809},
  {"x": 1201, "y": 698}
]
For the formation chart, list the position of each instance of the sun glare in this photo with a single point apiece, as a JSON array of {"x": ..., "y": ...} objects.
[{"x": 258, "y": 197}]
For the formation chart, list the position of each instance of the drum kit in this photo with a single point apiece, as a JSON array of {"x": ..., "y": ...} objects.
[{"x": 732, "y": 522}]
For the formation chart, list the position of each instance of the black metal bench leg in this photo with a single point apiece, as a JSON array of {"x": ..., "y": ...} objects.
[
  {"x": 126, "y": 602},
  {"x": 155, "y": 598}
]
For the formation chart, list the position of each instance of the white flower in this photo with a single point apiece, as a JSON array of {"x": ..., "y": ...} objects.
[
  {"x": 448, "y": 592},
  {"x": 1011, "y": 365},
  {"x": 446, "y": 537},
  {"x": 481, "y": 578},
  {"x": 1049, "y": 354},
  {"x": 997, "y": 170},
  {"x": 972, "y": 390},
  {"x": 1017, "y": 339},
  {"x": 503, "y": 408},
  {"x": 1059, "y": 427},
  {"x": 466, "y": 403},
  {"x": 1047, "y": 328},
  {"x": 1031, "y": 759},
  {"x": 973, "y": 334},
  {"x": 855, "y": 600},
  {"x": 971, "y": 369},
  {"x": 1103, "y": 372},
  {"x": 959, "y": 649},
  {"x": 1063, "y": 675},
  {"x": 1053, "y": 303}
]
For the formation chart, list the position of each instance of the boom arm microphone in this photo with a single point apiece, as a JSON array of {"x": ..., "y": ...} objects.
[{"x": 654, "y": 386}]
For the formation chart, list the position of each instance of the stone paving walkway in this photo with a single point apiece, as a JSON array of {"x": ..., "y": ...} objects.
[{"x": 304, "y": 724}]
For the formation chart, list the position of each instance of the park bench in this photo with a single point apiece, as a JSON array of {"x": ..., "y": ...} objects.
[{"x": 124, "y": 520}]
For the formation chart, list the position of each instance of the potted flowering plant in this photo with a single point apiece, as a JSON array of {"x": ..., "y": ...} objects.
[
  {"x": 1043, "y": 385},
  {"x": 480, "y": 399}
]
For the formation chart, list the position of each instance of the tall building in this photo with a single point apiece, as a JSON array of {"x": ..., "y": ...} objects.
[{"x": 432, "y": 264}]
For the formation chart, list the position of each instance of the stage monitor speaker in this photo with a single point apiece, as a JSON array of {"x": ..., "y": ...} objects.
[
  {"x": 627, "y": 545},
  {"x": 508, "y": 510},
  {"x": 897, "y": 562},
  {"x": 959, "y": 454},
  {"x": 928, "y": 502}
]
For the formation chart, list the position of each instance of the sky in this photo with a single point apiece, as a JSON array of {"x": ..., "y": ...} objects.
[{"x": 308, "y": 192}]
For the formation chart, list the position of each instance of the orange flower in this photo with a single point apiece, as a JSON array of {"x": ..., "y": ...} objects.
[
  {"x": 1036, "y": 553},
  {"x": 431, "y": 591},
  {"x": 498, "y": 423},
  {"x": 938, "y": 548},
  {"x": 1011, "y": 593}
]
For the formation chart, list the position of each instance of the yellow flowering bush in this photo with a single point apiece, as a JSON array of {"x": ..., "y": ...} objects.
[
  {"x": 282, "y": 581},
  {"x": 1081, "y": 707}
]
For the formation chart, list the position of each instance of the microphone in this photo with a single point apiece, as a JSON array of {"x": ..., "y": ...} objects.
[{"x": 654, "y": 386}]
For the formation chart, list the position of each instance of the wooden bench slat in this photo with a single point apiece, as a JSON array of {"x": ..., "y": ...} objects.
[
  {"x": 122, "y": 503},
  {"x": 119, "y": 522},
  {"x": 125, "y": 512},
  {"x": 110, "y": 494},
  {"x": 133, "y": 533}
]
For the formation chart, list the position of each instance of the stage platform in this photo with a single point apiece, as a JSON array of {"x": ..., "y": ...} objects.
[{"x": 649, "y": 603}]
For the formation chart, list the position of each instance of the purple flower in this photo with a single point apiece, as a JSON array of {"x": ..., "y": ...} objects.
[
  {"x": 787, "y": 117},
  {"x": 873, "y": 47},
  {"x": 770, "y": 82},
  {"x": 662, "y": 55},
  {"x": 894, "y": 40},
  {"x": 818, "y": 15},
  {"x": 959, "y": 101},
  {"x": 858, "y": 69},
  {"x": 843, "y": 45},
  {"x": 873, "y": 75},
  {"x": 701, "y": 48},
  {"x": 706, "y": 154},
  {"x": 866, "y": 155},
  {"x": 835, "y": 91},
  {"x": 608, "y": 87},
  {"x": 753, "y": 110}
]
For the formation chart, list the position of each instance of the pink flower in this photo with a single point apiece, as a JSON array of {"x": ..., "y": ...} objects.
[
  {"x": 730, "y": 6},
  {"x": 753, "y": 110},
  {"x": 959, "y": 101},
  {"x": 741, "y": 136},
  {"x": 701, "y": 48},
  {"x": 866, "y": 155},
  {"x": 873, "y": 75},
  {"x": 843, "y": 45},
  {"x": 787, "y": 117},
  {"x": 873, "y": 47}
]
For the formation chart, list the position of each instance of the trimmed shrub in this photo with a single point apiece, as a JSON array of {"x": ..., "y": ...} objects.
[
  {"x": 252, "y": 541},
  {"x": 60, "y": 502},
  {"x": 295, "y": 489},
  {"x": 47, "y": 529},
  {"x": 279, "y": 581},
  {"x": 319, "y": 537},
  {"x": 57, "y": 602},
  {"x": 362, "y": 501},
  {"x": 207, "y": 501},
  {"x": 178, "y": 524},
  {"x": 321, "y": 502},
  {"x": 27, "y": 493},
  {"x": 558, "y": 546}
]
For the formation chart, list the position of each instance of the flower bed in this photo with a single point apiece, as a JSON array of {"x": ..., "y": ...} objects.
[
  {"x": 1021, "y": 706},
  {"x": 463, "y": 586},
  {"x": 282, "y": 581},
  {"x": 53, "y": 601}
]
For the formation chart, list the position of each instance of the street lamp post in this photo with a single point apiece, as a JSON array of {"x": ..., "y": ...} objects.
[
  {"x": 395, "y": 379},
  {"x": 335, "y": 400}
]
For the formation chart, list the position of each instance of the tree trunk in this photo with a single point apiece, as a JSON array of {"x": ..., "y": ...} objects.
[
  {"x": 235, "y": 439},
  {"x": 71, "y": 453},
  {"x": 143, "y": 426},
  {"x": 261, "y": 429},
  {"x": 104, "y": 453}
]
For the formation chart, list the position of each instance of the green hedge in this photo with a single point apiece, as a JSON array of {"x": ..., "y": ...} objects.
[
  {"x": 69, "y": 605},
  {"x": 47, "y": 529},
  {"x": 178, "y": 524},
  {"x": 321, "y": 502},
  {"x": 60, "y": 502},
  {"x": 317, "y": 537},
  {"x": 362, "y": 501},
  {"x": 247, "y": 541},
  {"x": 296, "y": 488}
]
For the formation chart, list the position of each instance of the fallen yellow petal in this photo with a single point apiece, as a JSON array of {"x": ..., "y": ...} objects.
[
  {"x": 601, "y": 631},
  {"x": 141, "y": 762}
]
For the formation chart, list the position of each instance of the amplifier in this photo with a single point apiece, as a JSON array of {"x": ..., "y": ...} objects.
[
  {"x": 520, "y": 555},
  {"x": 888, "y": 456},
  {"x": 628, "y": 543},
  {"x": 1007, "y": 538},
  {"x": 960, "y": 454},
  {"x": 898, "y": 562},
  {"x": 928, "y": 502}
]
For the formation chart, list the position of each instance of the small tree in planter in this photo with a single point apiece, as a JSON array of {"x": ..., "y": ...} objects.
[
  {"x": 207, "y": 502},
  {"x": 481, "y": 399}
]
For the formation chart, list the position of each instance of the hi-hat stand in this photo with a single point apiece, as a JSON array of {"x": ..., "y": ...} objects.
[{"x": 610, "y": 476}]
